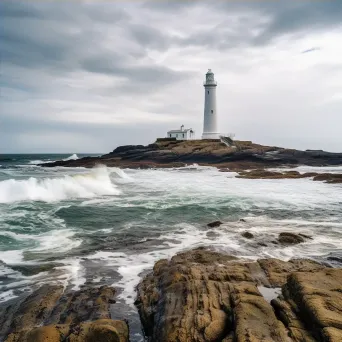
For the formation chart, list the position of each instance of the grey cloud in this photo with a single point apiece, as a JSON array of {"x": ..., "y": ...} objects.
[
  {"x": 306, "y": 16},
  {"x": 272, "y": 19},
  {"x": 149, "y": 37},
  {"x": 49, "y": 43},
  {"x": 311, "y": 50},
  {"x": 169, "y": 6},
  {"x": 45, "y": 45},
  {"x": 17, "y": 9}
]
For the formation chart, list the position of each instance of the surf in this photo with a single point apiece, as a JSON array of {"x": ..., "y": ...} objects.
[{"x": 95, "y": 183}]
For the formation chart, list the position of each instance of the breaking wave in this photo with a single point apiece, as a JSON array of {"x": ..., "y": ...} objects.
[
  {"x": 89, "y": 185},
  {"x": 38, "y": 161},
  {"x": 72, "y": 157}
]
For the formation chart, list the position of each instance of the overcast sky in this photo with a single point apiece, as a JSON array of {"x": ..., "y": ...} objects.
[{"x": 87, "y": 76}]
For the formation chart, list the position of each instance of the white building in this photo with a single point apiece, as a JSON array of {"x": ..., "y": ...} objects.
[
  {"x": 181, "y": 134},
  {"x": 210, "y": 115}
]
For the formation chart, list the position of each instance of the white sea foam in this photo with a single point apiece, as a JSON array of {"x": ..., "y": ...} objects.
[
  {"x": 318, "y": 169},
  {"x": 87, "y": 185},
  {"x": 74, "y": 273},
  {"x": 12, "y": 257},
  {"x": 7, "y": 295},
  {"x": 34, "y": 162},
  {"x": 60, "y": 241},
  {"x": 72, "y": 157}
]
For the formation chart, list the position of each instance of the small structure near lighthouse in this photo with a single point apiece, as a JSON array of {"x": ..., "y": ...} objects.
[
  {"x": 210, "y": 114},
  {"x": 182, "y": 133}
]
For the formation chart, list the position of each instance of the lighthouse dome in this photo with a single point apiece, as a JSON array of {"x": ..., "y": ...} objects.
[{"x": 209, "y": 79}]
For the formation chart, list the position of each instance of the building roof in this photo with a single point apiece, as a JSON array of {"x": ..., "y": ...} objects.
[{"x": 179, "y": 131}]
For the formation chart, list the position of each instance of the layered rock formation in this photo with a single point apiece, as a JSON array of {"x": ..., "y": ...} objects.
[
  {"x": 197, "y": 296},
  {"x": 206, "y": 296},
  {"x": 173, "y": 153},
  {"x": 49, "y": 314}
]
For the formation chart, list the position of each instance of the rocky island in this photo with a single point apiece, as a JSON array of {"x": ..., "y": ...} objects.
[{"x": 241, "y": 156}]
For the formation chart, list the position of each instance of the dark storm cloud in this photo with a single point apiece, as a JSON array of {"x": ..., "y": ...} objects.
[
  {"x": 50, "y": 35},
  {"x": 47, "y": 46},
  {"x": 283, "y": 18},
  {"x": 302, "y": 16},
  {"x": 50, "y": 38},
  {"x": 45, "y": 36}
]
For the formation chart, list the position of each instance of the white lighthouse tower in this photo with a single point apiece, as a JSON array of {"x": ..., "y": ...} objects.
[{"x": 210, "y": 114}]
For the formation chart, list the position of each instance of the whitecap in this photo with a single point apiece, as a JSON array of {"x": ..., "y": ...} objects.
[
  {"x": 86, "y": 185},
  {"x": 72, "y": 157}
]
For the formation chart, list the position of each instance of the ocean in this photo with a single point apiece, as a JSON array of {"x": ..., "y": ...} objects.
[{"x": 109, "y": 226}]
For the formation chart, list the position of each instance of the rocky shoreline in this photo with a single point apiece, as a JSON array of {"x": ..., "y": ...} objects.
[
  {"x": 176, "y": 153},
  {"x": 198, "y": 295}
]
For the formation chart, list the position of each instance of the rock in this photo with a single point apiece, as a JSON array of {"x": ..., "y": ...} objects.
[
  {"x": 337, "y": 259},
  {"x": 289, "y": 316},
  {"x": 29, "y": 270},
  {"x": 242, "y": 220},
  {"x": 305, "y": 236},
  {"x": 49, "y": 314},
  {"x": 202, "y": 295},
  {"x": 278, "y": 270},
  {"x": 313, "y": 299},
  {"x": 332, "y": 335},
  {"x": 329, "y": 177},
  {"x": 40, "y": 334},
  {"x": 265, "y": 174},
  {"x": 36, "y": 308},
  {"x": 247, "y": 235},
  {"x": 214, "y": 224},
  {"x": 106, "y": 330},
  {"x": 103, "y": 330},
  {"x": 290, "y": 238},
  {"x": 254, "y": 317}
]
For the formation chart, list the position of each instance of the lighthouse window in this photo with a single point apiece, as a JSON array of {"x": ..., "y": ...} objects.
[
  {"x": 212, "y": 112},
  {"x": 208, "y": 91}
]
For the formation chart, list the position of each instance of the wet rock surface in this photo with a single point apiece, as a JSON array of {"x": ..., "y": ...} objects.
[
  {"x": 247, "y": 235},
  {"x": 266, "y": 174},
  {"x": 214, "y": 224},
  {"x": 201, "y": 295},
  {"x": 287, "y": 238},
  {"x": 50, "y": 314},
  {"x": 243, "y": 156}
]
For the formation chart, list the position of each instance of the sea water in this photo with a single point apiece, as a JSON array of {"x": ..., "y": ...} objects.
[{"x": 109, "y": 226}]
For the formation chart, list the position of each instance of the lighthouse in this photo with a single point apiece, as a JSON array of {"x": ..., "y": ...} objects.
[{"x": 210, "y": 114}]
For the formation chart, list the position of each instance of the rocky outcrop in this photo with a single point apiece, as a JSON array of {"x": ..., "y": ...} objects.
[
  {"x": 312, "y": 300},
  {"x": 214, "y": 224},
  {"x": 329, "y": 177},
  {"x": 49, "y": 314},
  {"x": 247, "y": 235},
  {"x": 266, "y": 174},
  {"x": 202, "y": 295},
  {"x": 287, "y": 238},
  {"x": 175, "y": 153}
]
